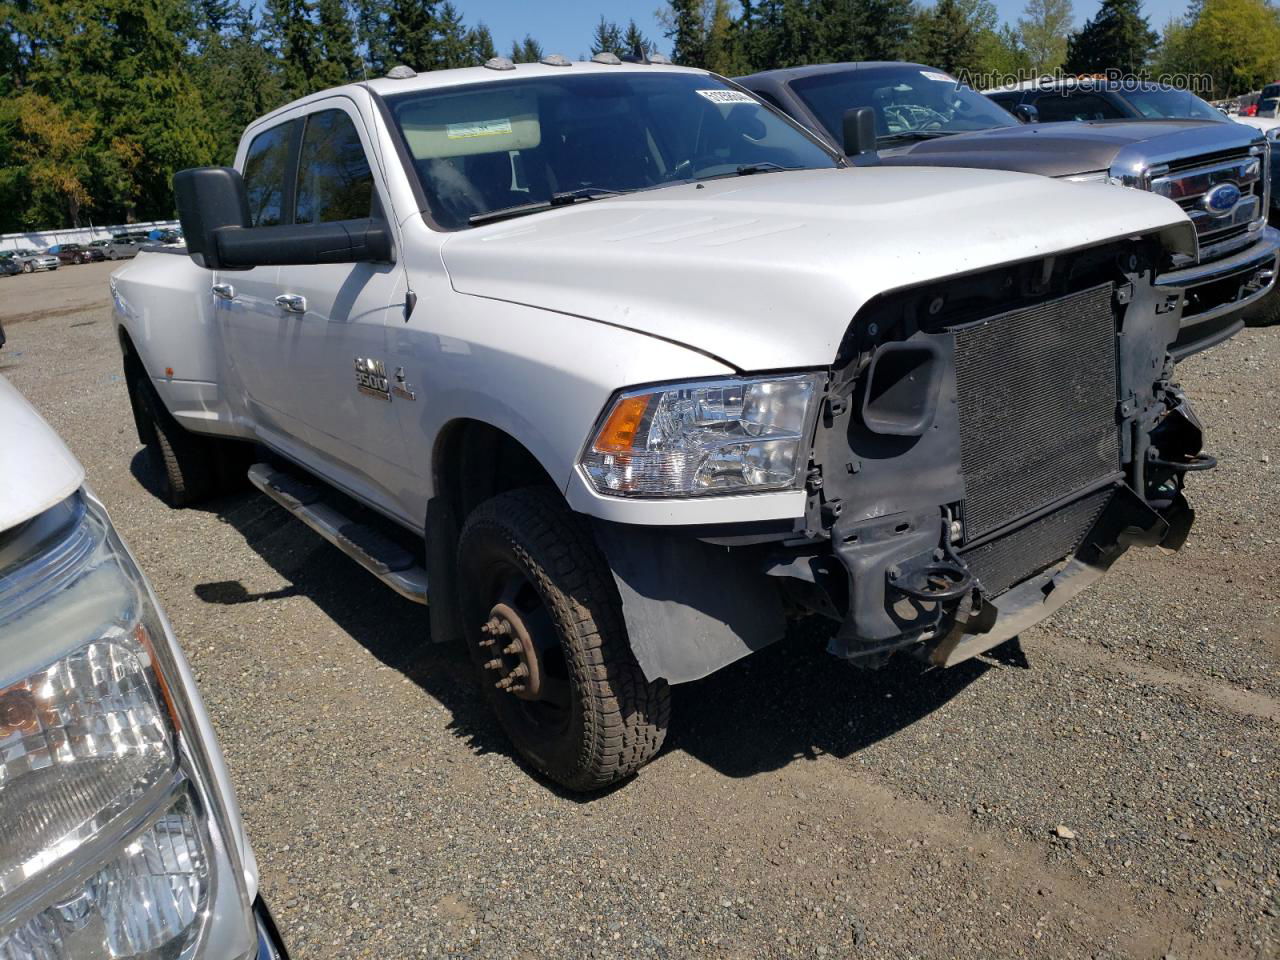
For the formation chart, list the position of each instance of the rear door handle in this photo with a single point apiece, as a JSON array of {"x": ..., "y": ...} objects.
[
  {"x": 224, "y": 291},
  {"x": 292, "y": 303}
]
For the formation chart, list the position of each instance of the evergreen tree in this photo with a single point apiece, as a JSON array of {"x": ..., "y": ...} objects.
[
  {"x": 607, "y": 38},
  {"x": 686, "y": 28},
  {"x": 954, "y": 34},
  {"x": 411, "y": 33},
  {"x": 294, "y": 36},
  {"x": 634, "y": 39},
  {"x": 337, "y": 62},
  {"x": 1043, "y": 33},
  {"x": 1118, "y": 37},
  {"x": 452, "y": 43},
  {"x": 480, "y": 44},
  {"x": 851, "y": 30},
  {"x": 527, "y": 50},
  {"x": 721, "y": 46},
  {"x": 372, "y": 34}
]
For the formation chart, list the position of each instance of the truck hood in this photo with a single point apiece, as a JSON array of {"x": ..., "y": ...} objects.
[
  {"x": 1071, "y": 147},
  {"x": 37, "y": 470},
  {"x": 767, "y": 271}
]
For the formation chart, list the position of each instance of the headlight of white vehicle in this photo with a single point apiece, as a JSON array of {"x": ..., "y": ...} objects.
[
  {"x": 115, "y": 837},
  {"x": 705, "y": 437},
  {"x": 1100, "y": 176}
]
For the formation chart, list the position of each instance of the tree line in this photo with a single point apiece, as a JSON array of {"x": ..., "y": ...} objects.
[
  {"x": 102, "y": 100},
  {"x": 1234, "y": 42}
]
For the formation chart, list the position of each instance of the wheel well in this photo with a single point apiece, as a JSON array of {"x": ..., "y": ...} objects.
[{"x": 475, "y": 461}]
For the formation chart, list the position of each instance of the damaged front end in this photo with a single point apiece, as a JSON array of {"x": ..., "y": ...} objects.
[{"x": 987, "y": 448}]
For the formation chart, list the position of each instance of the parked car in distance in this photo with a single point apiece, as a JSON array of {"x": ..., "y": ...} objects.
[
  {"x": 642, "y": 368},
  {"x": 923, "y": 116},
  {"x": 123, "y": 247},
  {"x": 1269, "y": 101},
  {"x": 8, "y": 265},
  {"x": 79, "y": 253},
  {"x": 131, "y": 841},
  {"x": 1094, "y": 99},
  {"x": 32, "y": 260}
]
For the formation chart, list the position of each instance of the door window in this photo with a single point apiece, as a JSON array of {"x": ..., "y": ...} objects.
[
  {"x": 264, "y": 175},
  {"x": 334, "y": 178}
]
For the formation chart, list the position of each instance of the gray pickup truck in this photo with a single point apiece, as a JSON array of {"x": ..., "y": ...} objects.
[{"x": 1215, "y": 170}]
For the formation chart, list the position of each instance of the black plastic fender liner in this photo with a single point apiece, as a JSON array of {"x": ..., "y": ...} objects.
[{"x": 690, "y": 607}]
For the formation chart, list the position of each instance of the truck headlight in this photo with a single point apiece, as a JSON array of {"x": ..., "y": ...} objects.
[
  {"x": 1100, "y": 176},
  {"x": 706, "y": 437},
  {"x": 114, "y": 839}
]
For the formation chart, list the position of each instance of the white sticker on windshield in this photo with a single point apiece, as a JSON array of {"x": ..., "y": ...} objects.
[
  {"x": 477, "y": 128},
  {"x": 935, "y": 75},
  {"x": 727, "y": 96}
]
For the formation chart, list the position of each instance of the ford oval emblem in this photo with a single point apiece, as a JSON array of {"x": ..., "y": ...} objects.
[{"x": 1222, "y": 198}]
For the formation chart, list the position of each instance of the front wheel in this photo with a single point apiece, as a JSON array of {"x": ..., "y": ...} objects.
[
  {"x": 544, "y": 625},
  {"x": 26, "y": 268}
]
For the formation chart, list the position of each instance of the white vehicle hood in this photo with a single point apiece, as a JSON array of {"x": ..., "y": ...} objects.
[
  {"x": 767, "y": 271},
  {"x": 1259, "y": 123},
  {"x": 36, "y": 469}
]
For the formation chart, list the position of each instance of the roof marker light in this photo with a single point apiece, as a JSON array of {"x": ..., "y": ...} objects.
[
  {"x": 555, "y": 60},
  {"x": 401, "y": 72},
  {"x": 499, "y": 63},
  {"x": 604, "y": 56}
]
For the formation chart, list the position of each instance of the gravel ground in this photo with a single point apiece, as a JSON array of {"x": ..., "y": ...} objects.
[{"x": 1107, "y": 789}]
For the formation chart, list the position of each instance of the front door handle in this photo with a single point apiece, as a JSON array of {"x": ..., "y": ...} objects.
[
  {"x": 224, "y": 291},
  {"x": 292, "y": 303}
]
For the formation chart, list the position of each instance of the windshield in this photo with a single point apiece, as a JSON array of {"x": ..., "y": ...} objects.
[
  {"x": 1163, "y": 103},
  {"x": 907, "y": 101},
  {"x": 531, "y": 143}
]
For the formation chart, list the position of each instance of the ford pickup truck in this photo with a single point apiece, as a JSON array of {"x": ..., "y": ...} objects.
[
  {"x": 622, "y": 369},
  {"x": 1180, "y": 147},
  {"x": 119, "y": 830}
]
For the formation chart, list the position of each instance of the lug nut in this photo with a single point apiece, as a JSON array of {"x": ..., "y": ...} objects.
[
  {"x": 513, "y": 647},
  {"x": 494, "y": 664},
  {"x": 519, "y": 672}
]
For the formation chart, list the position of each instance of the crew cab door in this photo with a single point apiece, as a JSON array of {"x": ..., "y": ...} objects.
[{"x": 298, "y": 333}]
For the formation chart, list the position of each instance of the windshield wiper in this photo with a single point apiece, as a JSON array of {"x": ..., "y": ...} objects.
[
  {"x": 914, "y": 135},
  {"x": 562, "y": 199},
  {"x": 762, "y": 166}
]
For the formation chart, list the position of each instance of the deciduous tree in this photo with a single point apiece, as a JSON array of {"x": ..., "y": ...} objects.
[{"x": 1043, "y": 31}]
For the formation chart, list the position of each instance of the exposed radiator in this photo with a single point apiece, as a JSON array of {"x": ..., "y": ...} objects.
[
  {"x": 1004, "y": 561},
  {"x": 1037, "y": 399}
]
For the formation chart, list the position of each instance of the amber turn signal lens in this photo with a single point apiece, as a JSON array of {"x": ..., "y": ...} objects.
[{"x": 619, "y": 432}]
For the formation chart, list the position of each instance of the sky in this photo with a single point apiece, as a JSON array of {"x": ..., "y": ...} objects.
[{"x": 564, "y": 26}]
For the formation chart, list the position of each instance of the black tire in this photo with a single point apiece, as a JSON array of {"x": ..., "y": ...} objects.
[
  {"x": 597, "y": 719},
  {"x": 1266, "y": 312}
]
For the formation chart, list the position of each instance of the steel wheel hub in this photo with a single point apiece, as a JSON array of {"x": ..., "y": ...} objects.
[{"x": 513, "y": 657}]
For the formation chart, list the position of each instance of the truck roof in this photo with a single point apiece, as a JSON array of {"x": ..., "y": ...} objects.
[
  {"x": 37, "y": 471},
  {"x": 464, "y": 76}
]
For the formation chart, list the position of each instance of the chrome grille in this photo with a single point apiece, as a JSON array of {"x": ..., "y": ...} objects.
[
  {"x": 1195, "y": 183},
  {"x": 1037, "y": 404}
]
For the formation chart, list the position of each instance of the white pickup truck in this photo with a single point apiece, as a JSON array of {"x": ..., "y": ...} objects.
[
  {"x": 631, "y": 369},
  {"x": 119, "y": 830}
]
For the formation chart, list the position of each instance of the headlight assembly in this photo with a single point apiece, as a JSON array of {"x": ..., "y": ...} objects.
[
  {"x": 1101, "y": 176},
  {"x": 115, "y": 841},
  {"x": 705, "y": 437}
]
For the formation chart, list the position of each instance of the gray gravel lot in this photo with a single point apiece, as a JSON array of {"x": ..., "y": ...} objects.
[{"x": 1110, "y": 790}]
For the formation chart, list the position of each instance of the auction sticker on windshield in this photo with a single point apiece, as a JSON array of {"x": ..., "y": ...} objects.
[
  {"x": 477, "y": 128},
  {"x": 727, "y": 96},
  {"x": 934, "y": 75}
]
